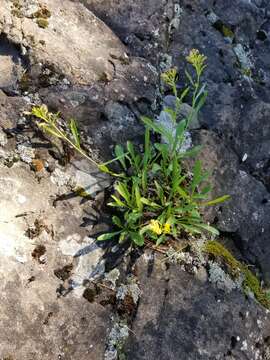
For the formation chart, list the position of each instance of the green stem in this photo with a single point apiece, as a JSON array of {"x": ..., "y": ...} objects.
[{"x": 64, "y": 137}]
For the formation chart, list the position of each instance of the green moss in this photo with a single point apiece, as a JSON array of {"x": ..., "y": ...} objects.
[
  {"x": 82, "y": 193},
  {"x": 227, "y": 32},
  {"x": 42, "y": 23},
  {"x": 250, "y": 282},
  {"x": 247, "y": 72},
  {"x": 218, "y": 250}
]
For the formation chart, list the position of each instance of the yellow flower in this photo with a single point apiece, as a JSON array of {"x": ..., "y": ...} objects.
[
  {"x": 169, "y": 76},
  {"x": 166, "y": 228},
  {"x": 155, "y": 227},
  {"x": 196, "y": 59}
]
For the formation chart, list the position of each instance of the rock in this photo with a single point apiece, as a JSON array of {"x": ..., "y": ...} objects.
[
  {"x": 12, "y": 66},
  {"x": 93, "y": 81},
  {"x": 131, "y": 23},
  {"x": 68, "y": 24},
  {"x": 247, "y": 214},
  {"x": 181, "y": 317},
  {"x": 97, "y": 61},
  {"x": 33, "y": 244},
  {"x": 90, "y": 263},
  {"x": 47, "y": 327},
  {"x": 11, "y": 108}
]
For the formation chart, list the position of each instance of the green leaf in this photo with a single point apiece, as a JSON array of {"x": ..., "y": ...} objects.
[
  {"x": 163, "y": 149},
  {"x": 155, "y": 168},
  {"x": 123, "y": 237},
  {"x": 186, "y": 208},
  {"x": 147, "y": 147},
  {"x": 150, "y": 203},
  {"x": 118, "y": 202},
  {"x": 201, "y": 103},
  {"x": 189, "y": 77},
  {"x": 138, "y": 198},
  {"x": 208, "y": 228},
  {"x": 120, "y": 154},
  {"x": 116, "y": 220},
  {"x": 160, "y": 192},
  {"x": 206, "y": 189},
  {"x": 105, "y": 169},
  {"x": 216, "y": 201},
  {"x": 191, "y": 228},
  {"x": 122, "y": 189},
  {"x": 50, "y": 130},
  {"x": 158, "y": 129},
  {"x": 201, "y": 92},
  {"x": 183, "y": 193},
  {"x": 161, "y": 239},
  {"x": 192, "y": 152},
  {"x": 199, "y": 196},
  {"x": 74, "y": 130},
  {"x": 179, "y": 135},
  {"x": 137, "y": 238},
  {"x": 184, "y": 93},
  {"x": 133, "y": 217},
  {"x": 108, "y": 236},
  {"x": 41, "y": 112},
  {"x": 198, "y": 175},
  {"x": 144, "y": 179},
  {"x": 135, "y": 158}
]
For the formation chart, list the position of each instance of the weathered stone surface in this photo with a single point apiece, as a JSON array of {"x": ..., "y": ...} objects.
[
  {"x": 81, "y": 68},
  {"x": 68, "y": 40},
  {"x": 11, "y": 65},
  {"x": 35, "y": 240},
  {"x": 141, "y": 25},
  {"x": 184, "y": 317},
  {"x": 247, "y": 214},
  {"x": 100, "y": 74}
]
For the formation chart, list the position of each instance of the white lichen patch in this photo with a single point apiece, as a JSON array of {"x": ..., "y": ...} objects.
[
  {"x": 60, "y": 178},
  {"x": 132, "y": 290},
  {"x": 222, "y": 280},
  {"x": 26, "y": 153},
  {"x": 116, "y": 339},
  {"x": 175, "y": 21},
  {"x": 243, "y": 57},
  {"x": 112, "y": 277}
]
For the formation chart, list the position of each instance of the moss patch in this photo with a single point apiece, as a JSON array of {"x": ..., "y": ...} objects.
[
  {"x": 82, "y": 193},
  {"x": 227, "y": 32},
  {"x": 252, "y": 283},
  {"x": 236, "y": 268},
  {"x": 42, "y": 23},
  {"x": 218, "y": 250}
]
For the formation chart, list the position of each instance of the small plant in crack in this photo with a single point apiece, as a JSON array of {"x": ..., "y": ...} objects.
[{"x": 156, "y": 198}]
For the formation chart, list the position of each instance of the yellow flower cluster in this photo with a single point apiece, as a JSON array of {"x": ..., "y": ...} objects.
[
  {"x": 169, "y": 76},
  {"x": 158, "y": 229},
  {"x": 196, "y": 59}
]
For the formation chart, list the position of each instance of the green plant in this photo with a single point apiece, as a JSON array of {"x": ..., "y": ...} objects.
[
  {"x": 50, "y": 124},
  {"x": 156, "y": 197}
]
